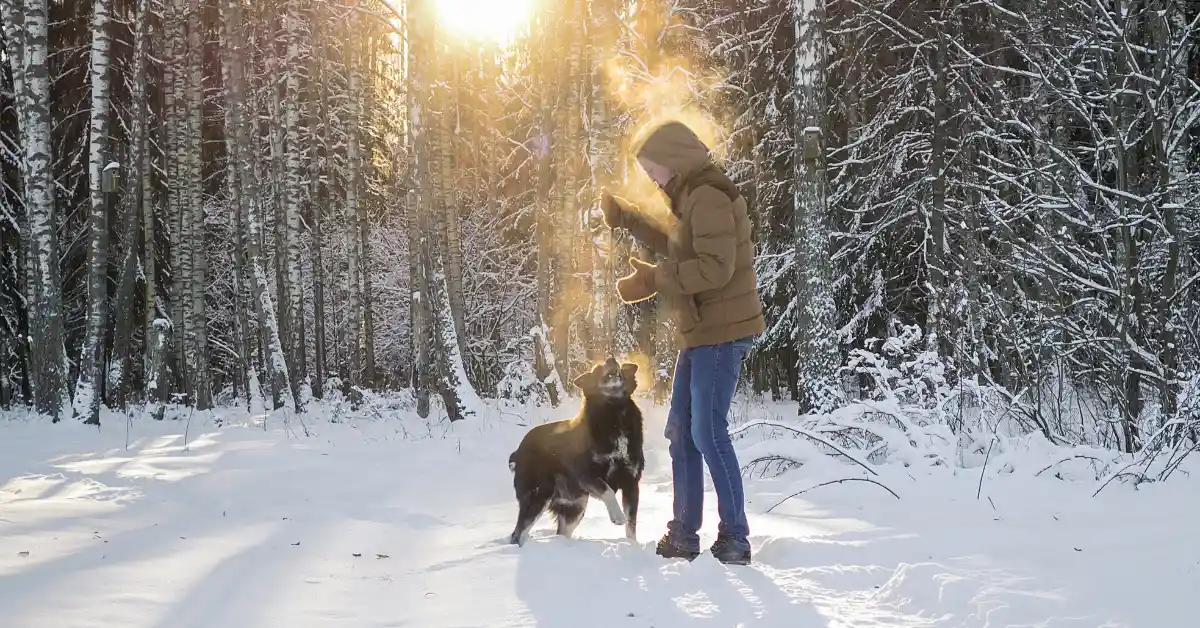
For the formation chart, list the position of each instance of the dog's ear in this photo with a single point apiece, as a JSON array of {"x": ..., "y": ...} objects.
[
  {"x": 629, "y": 374},
  {"x": 586, "y": 381}
]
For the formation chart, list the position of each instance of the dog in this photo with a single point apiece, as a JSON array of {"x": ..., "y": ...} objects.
[{"x": 558, "y": 466}]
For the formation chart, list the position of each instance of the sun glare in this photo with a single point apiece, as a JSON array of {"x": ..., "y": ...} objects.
[{"x": 495, "y": 20}]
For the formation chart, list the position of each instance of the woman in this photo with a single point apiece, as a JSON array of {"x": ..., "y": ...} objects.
[{"x": 708, "y": 279}]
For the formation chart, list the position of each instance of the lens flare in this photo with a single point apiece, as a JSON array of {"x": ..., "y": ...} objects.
[{"x": 493, "y": 20}]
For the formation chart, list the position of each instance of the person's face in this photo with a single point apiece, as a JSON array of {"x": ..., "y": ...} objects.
[{"x": 661, "y": 175}]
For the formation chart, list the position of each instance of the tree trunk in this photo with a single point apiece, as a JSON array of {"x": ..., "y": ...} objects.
[
  {"x": 199, "y": 267},
  {"x": 457, "y": 394},
  {"x": 276, "y": 363},
  {"x": 245, "y": 371},
  {"x": 604, "y": 309},
  {"x": 352, "y": 229},
  {"x": 87, "y": 397},
  {"x": 319, "y": 169},
  {"x": 816, "y": 337},
  {"x": 417, "y": 186},
  {"x": 292, "y": 186},
  {"x": 935, "y": 238},
  {"x": 47, "y": 351},
  {"x": 447, "y": 207},
  {"x": 564, "y": 208},
  {"x": 180, "y": 238},
  {"x": 135, "y": 236},
  {"x": 545, "y": 367}
]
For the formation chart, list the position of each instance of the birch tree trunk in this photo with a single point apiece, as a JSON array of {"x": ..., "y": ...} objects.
[
  {"x": 446, "y": 211},
  {"x": 544, "y": 363},
  {"x": 415, "y": 201},
  {"x": 47, "y": 351},
  {"x": 292, "y": 197},
  {"x": 353, "y": 237},
  {"x": 364, "y": 238},
  {"x": 319, "y": 169},
  {"x": 277, "y": 218},
  {"x": 276, "y": 363},
  {"x": 604, "y": 311},
  {"x": 246, "y": 372},
  {"x": 177, "y": 185},
  {"x": 195, "y": 183},
  {"x": 87, "y": 397},
  {"x": 564, "y": 206},
  {"x": 418, "y": 175},
  {"x": 460, "y": 399}
]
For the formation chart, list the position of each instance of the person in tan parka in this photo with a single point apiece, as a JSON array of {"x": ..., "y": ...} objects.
[{"x": 709, "y": 281}]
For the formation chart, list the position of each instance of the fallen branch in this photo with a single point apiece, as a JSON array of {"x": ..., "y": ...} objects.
[
  {"x": 808, "y": 435},
  {"x": 868, "y": 480}
]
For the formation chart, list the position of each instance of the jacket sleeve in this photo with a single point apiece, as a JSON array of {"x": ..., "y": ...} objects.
[
  {"x": 714, "y": 239},
  {"x": 644, "y": 229}
]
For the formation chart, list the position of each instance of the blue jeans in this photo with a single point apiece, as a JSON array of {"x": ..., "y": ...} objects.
[{"x": 698, "y": 429}]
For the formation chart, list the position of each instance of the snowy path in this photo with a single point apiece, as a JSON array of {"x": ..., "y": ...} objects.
[{"x": 250, "y": 528}]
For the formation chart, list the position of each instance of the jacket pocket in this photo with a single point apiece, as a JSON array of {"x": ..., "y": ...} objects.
[{"x": 687, "y": 313}]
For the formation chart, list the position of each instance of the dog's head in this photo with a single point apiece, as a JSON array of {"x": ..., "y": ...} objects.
[{"x": 609, "y": 380}]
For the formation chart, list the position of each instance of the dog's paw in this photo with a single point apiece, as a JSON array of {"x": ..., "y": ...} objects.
[
  {"x": 617, "y": 517},
  {"x": 631, "y": 532}
]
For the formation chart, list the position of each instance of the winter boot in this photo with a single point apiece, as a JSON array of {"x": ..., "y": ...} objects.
[
  {"x": 667, "y": 549},
  {"x": 729, "y": 551}
]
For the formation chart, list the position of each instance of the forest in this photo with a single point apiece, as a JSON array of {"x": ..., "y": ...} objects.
[{"x": 962, "y": 208}]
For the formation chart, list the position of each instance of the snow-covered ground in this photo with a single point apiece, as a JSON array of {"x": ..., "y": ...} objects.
[{"x": 387, "y": 523}]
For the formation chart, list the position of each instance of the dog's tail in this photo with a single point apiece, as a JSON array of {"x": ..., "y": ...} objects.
[{"x": 512, "y": 462}]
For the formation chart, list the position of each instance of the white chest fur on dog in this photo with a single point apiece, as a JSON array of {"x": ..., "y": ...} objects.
[{"x": 618, "y": 456}]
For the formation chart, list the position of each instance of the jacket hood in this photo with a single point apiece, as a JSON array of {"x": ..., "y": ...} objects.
[{"x": 675, "y": 146}]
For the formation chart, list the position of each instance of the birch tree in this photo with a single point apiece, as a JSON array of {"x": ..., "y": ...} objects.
[
  {"x": 47, "y": 350},
  {"x": 87, "y": 397},
  {"x": 264, "y": 307}
]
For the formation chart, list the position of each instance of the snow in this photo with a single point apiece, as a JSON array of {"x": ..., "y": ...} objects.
[{"x": 396, "y": 521}]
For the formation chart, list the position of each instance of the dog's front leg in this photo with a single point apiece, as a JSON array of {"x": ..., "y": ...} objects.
[
  {"x": 629, "y": 496},
  {"x": 601, "y": 490}
]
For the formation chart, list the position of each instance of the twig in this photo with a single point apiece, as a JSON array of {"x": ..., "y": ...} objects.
[
  {"x": 188, "y": 427},
  {"x": 982, "y": 471},
  {"x": 1114, "y": 476},
  {"x": 779, "y": 460},
  {"x": 1079, "y": 456},
  {"x": 868, "y": 480},
  {"x": 806, "y": 434},
  {"x": 303, "y": 426}
]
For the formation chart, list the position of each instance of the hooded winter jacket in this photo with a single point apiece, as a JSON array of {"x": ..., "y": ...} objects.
[{"x": 708, "y": 275}]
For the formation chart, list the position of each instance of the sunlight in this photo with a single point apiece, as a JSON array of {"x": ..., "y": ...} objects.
[{"x": 495, "y": 20}]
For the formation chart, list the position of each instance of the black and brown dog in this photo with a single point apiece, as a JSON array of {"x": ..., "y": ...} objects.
[{"x": 559, "y": 465}]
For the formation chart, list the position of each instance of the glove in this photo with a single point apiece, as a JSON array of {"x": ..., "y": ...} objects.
[
  {"x": 638, "y": 285},
  {"x": 612, "y": 210}
]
